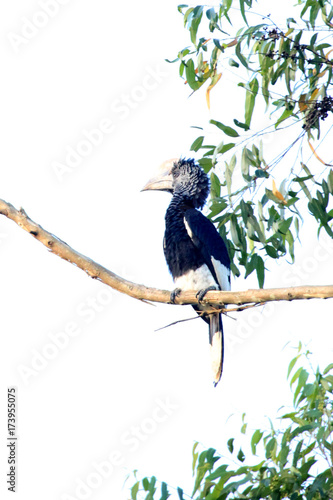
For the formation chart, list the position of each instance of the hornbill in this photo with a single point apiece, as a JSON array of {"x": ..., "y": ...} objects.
[{"x": 196, "y": 254}]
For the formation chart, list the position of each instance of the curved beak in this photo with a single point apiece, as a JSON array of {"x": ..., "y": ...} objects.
[{"x": 163, "y": 181}]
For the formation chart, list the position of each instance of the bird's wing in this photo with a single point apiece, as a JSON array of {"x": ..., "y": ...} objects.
[{"x": 212, "y": 247}]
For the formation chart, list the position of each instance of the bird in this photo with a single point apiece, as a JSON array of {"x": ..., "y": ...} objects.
[{"x": 195, "y": 253}]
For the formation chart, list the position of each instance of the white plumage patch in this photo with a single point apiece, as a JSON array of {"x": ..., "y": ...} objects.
[
  {"x": 196, "y": 280},
  {"x": 223, "y": 274},
  {"x": 188, "y": 229}
]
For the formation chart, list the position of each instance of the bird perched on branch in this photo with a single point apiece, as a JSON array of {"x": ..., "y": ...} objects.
[{"x": 196, "y": 254}]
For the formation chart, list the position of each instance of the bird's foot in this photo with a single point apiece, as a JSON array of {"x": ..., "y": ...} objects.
[
  {"x": 174, "y": 294},
  {"x": 201, "y": 293}
]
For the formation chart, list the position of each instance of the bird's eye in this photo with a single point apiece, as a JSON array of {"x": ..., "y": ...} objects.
[{"x": 175, "y": 173}]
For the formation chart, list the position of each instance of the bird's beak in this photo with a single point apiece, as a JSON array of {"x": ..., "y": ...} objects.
[{"x": 163, "y": 180}]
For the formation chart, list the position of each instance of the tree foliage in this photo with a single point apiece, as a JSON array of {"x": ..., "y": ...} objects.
[
  {"x": 285, "y": 71},
  {"x": 293, "y": 461}
]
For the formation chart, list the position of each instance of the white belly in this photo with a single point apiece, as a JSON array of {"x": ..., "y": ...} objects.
[
  {"x": 199, "y": 279},
  {"x": 202, "y": 278}
]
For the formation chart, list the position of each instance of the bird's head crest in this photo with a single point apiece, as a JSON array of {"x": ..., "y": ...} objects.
[
  {"x": 191, "y": 181},
  {"x": 183, "y": 177}
]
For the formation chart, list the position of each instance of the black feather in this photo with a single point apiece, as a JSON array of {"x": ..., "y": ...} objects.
[{"x": 190, "y": 248}]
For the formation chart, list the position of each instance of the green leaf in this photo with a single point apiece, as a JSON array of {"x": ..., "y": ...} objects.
[
  {"x": 260, "y": 269},
  {"x": 300, "y": 430},
  {"x": 145, "y": 483},
  {"x": 187, "y": 15},
  {"x": 180, "y": 493},
  {"x": 292, "y": 364},
  {"x": 326, "y": 385},
  {"x": 194, "y": 456},
  {"x": 171, "y": 61},
  {"x": 305, "y": 190},
  {"x": 164, "y": 492},
  {"x": 251, "y": 94},
  {"x": 290, "y": 240},
  {"x": 193, "y": 22},
  {"x": 272, "y": 197},
  {"x": 284, "y": 225},
  {"x": 215, "y": 185},
  {"x": 250, "y": 266},
  {"x": 309, "y": 389},
  {"x": 328, "y": 369},
  {"x": 314, "y": 12},
  {"x": 196, "y": 145},
  {"x": 254, "y": 230},
  {"x": 230, "y": 445},
  {"x": 227, "y": 130},
  {"x": 261, "y": 174},
  {"x": 302, "y": 378},
  {"x": 240, "y": 55},
  {"x": 206, "y": 463},
  {"x": 226, "y": 147},
  {"x": 279, "y": 73},
  {"x": 245, "y": 164},
  {"x": 242, "y": 9},
  {"x": 235, "y": 230},
  {"x": 283, "y": 455},
  {"x": 305, "y": 469},
  {"x": 271, "y": 252},
  {"x": 240, "y": 455},
  {"x": 295, "y": 376},
  {"x": 181, "y": 7},
  {"x": 221, "y": 149},
  {"x": 301, "y": 179},
  {"x": 256, "y": 437},
  {"x": 297, "y": 453},
  {"x": 286, "y": 114},
  {"x": 308, "y": 450},
  {"x": 218, "y": 45},
  {"x": 191, "y": 76},
  {"x": 271, "y": 448},
  {"x": 211, "y": 14},
  {"x": 241, "y": 125},
  {"x": 134, "y": 490},
  {"x": 206, "y": 164},
  {"x": 233, "y": 63},
  {"x": 330, "y": 181},
  {"x": 219, "y": 473},
  {"x": 228, "y": 172}
]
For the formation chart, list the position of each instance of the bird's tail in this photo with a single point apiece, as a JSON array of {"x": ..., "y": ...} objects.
[{"x": 216, "y": 341}]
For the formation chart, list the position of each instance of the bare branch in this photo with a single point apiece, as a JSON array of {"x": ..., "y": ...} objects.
[{"x": 141, "y": 292}]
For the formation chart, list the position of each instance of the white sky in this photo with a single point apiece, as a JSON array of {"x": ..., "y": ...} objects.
[{"x": 93, "y": 65}]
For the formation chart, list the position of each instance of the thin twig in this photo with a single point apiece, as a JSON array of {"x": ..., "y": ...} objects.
[{"x": 175, "y": 323}]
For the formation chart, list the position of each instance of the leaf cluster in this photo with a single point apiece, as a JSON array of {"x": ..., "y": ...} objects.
[
  {"x": 290, "y": 73},
  {"x": 295, "y": 461}
]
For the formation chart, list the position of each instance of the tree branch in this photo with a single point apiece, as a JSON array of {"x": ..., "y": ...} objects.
[{"x": 141, "y": 292}]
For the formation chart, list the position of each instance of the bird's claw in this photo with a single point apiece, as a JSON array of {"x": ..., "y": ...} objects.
[
  {"x": 201, "y": 293},
  {"x": 174, "y": 294}
]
